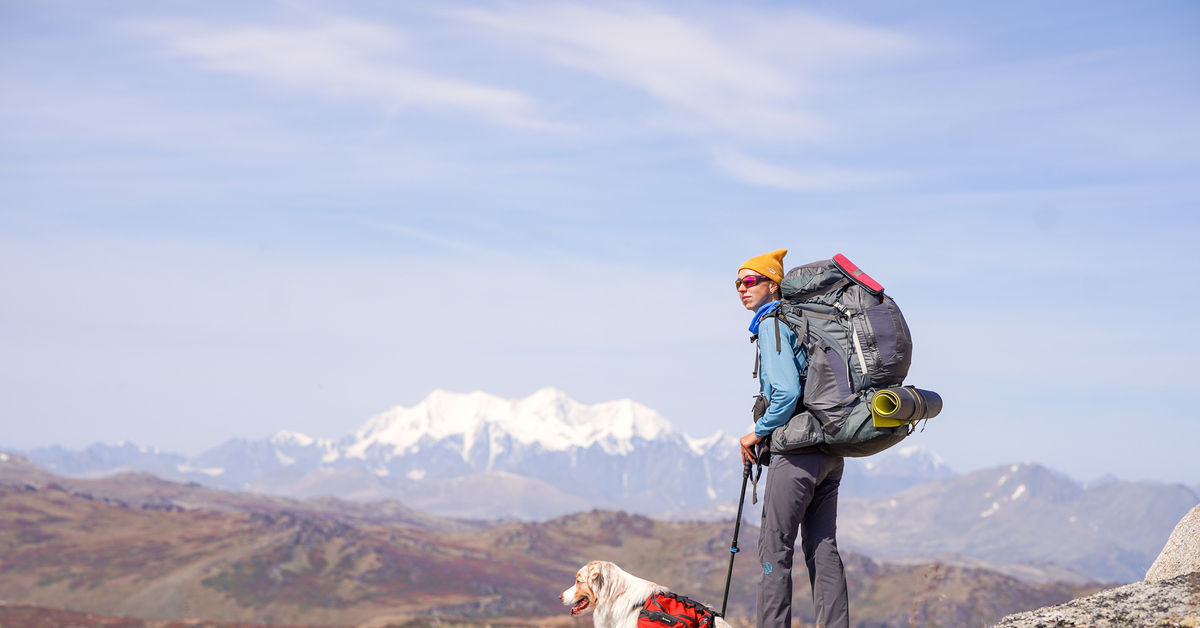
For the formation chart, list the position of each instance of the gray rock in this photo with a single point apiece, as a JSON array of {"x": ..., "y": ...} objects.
[
  {"x": 1169, "y": 603},
  {"x": 1181, "y": 555}
]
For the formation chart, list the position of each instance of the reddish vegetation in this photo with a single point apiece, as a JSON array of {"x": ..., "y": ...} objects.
[
  {"x": 75, "y": 545},
  {"x": 26, "y": 616}
]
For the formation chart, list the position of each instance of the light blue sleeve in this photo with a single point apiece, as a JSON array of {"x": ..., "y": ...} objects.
[{"x": 779, "y": 376}]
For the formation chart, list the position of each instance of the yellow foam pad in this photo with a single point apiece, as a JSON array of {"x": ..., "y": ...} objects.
[{"x": 885, "y": 404}]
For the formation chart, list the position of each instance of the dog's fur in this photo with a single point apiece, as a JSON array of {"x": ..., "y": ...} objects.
[{"x": 613, "y": 594}]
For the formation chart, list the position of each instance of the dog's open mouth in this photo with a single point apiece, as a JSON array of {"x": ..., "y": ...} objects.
[{"x": 580, "y": 607}]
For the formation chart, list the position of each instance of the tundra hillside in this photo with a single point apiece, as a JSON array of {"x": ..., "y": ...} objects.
[{"x": 142, "y": 547}]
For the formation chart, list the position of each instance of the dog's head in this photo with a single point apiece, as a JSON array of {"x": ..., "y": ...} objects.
[{"x": 593, "y": 585}]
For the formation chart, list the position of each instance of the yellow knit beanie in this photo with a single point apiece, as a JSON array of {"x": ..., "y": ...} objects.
[{"x": 769, "y": 265}]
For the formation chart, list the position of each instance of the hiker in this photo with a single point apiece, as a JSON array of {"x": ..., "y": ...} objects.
[{"x": 802, "y": 485}]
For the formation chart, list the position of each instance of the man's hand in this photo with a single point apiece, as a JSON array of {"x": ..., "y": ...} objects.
[{"x": 748, "y": 442}]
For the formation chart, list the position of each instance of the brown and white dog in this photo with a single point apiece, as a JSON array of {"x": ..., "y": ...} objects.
[{"x": 614, "y": 595}]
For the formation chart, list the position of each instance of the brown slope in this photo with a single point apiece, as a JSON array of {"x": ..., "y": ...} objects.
[
  {"x": 30, "y": 616},
  {"x": 692, "y": 558},
  {"x": 158, "y": 560},
  {"x": 59, "y": 548},
  {"x": 142, "y": 488},
  {"x": 890, "y": 596}
]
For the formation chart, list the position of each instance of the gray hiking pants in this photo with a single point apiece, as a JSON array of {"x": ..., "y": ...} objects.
[{"x": 801, "y": 492}]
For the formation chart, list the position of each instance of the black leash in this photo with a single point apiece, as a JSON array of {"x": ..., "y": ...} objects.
[{"x": 737, "y": 527}]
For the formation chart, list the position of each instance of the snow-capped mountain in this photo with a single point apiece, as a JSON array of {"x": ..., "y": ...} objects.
[
  {"x": 620, "y": 452},
  {"x": 612, "y": 454},
  {"x": 548, "y": 419}
]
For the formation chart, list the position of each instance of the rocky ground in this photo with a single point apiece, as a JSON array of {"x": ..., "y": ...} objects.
[{"x": 1173, "y": 603}]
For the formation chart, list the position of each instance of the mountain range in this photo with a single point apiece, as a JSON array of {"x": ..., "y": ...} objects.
[
  {"x": 477, "y": 455},
  {"x": 1022, "y": 513}
]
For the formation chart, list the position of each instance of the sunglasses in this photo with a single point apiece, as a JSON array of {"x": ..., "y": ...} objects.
[{"x": 749, "y": 281}]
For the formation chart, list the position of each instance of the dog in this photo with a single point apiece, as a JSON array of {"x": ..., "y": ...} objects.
[{"x": 615, "y": 596}]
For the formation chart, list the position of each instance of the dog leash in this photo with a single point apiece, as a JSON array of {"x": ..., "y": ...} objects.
[{"x": 737, "y": 527}]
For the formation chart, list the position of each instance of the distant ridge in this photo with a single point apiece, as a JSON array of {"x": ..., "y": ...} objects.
[
  {"x": 612, "y": 454},
  {"x": 1022, "y": 513},
  {"x": 615, "y": 454}
]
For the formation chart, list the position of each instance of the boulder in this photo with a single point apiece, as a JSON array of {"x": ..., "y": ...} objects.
[
  {"x": 1162, "y": 604},
  {"x": 1181, "y": 555}
]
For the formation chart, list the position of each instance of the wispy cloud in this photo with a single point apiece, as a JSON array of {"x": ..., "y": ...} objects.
[
  {"x": 813, "y": 178},
  {"x": 731, "y": 80},
  {"x": 745, "y": 76},
  {"x": 342, "y": 59}
]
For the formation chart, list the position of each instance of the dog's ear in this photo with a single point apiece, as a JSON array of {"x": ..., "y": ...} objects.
[
  {"x": 606, "y": 580},
  {"x": 596, "y": 582}
]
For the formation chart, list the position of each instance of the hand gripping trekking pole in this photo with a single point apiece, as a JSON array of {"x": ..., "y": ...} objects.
[{"x": 737, "y": 527}]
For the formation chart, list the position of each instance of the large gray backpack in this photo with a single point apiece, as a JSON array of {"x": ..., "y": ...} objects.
[{"x": 857, "y": 343}]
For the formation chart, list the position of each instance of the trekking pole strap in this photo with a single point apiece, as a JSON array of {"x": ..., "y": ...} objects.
[
  {"x": 755, "y": 477},
  {"x": 754, "y": 486}
]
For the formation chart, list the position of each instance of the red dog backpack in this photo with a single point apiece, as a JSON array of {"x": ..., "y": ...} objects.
[{"x": 677, "y": 611}]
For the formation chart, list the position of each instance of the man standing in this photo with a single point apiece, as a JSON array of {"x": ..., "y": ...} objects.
[{"x": 802, "y": 485}]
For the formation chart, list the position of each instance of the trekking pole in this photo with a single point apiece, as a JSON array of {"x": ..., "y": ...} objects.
[{"x": 737, "y": 527}]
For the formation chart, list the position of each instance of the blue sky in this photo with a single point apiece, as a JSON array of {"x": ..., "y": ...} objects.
[{"x": 219, "y": 220}]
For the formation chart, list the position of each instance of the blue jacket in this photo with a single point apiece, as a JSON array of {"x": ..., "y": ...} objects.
[{"x": 778, "y": 372}]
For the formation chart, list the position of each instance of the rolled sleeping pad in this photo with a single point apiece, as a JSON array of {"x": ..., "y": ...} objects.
[{"x": 893, "y": 407}]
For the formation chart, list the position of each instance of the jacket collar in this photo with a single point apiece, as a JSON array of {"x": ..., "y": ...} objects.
[{"x": 765, "y": 309}]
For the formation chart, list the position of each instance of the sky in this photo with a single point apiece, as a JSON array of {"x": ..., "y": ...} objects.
[{"x": 223, "y": 219}]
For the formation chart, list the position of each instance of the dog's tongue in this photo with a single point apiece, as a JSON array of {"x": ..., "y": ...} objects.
[{"x": 580, "y": 606}]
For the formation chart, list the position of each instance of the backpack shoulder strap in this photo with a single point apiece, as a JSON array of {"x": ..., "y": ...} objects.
[
  {"x": 796, "y": 319},
  {"x": 775, "y": 314},
  {"x": 778, "y": 347},
  {"x": 754, "y": 339}
]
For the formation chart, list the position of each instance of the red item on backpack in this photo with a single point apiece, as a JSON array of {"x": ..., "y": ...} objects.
[{"x": 857, "y": 275}]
